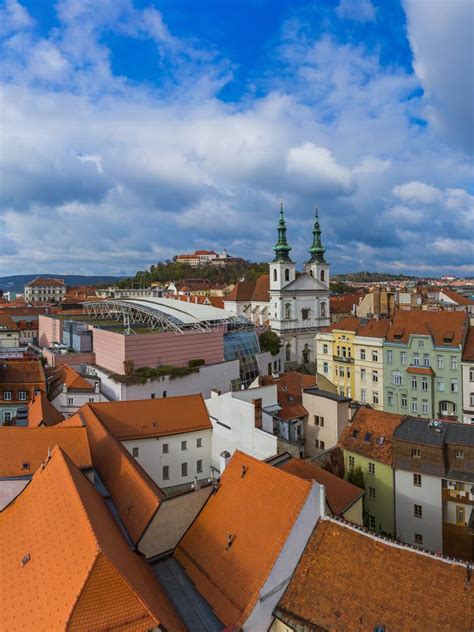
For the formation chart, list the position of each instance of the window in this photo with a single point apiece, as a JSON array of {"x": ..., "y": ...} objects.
[
  {"x": 375, "y": 376},
  {"x": 414, "y": 405},
  {"x": 416, "y": 359},
  {"x": 403, "y": 401},
  {"x": 371, "y": 522},
  {"x": 199, "y": 466},
  {"x": 426, "y": 359},
  {"x": 199, "y": 443},
  {"x": 389, "y": 356},
  {"x": 415, "y": 453},
  {"x": 321, "y": 276},
  {"x": 471, "y": 374},
  {"x": 321, "y": 445},
  {"x": 351, "y": 461},
  {"x": 362, "y": 374},
  {"x": 421, "y": 344},
  {"x": 375, "y": 397},
  {"x": 184, "y": 445},
  {"x": 459, "y": 454},
  {"x": 397, "y": 379},
  {"x": 372, "y": 492},
  {"x": 70, "y": 401},
  {"x": 165, "y": 448},
  {"x": 341, "y": 371},
  {"x": 325, "y": 367},
  {"x": 403, "y": 357},
  {"x": 135, "y": 452},
  {"x": 287, "y": 274},
  {"x": 319, "y": 421},
  {"x": 274, "y": 275},
  {"x": 325, "y": 349},
  {"x": 440, "y": 362},
  {"x": 460, "y": 515},
  {"x": 424, "y": 407},
  {"x": 363, "y": 395},
  {"x": 424, "y": 383},
  {"x": 348, "y": 371},
  {"x": 371, "y": 468},
  {"x": 440, "y": 384},
  {"x": 152, "y": 396},
  {"x": 7, "y": 416},
  {"x": 390, "y": 399},
  {"x": 454, "y": 386},
  {"x": 91, "y": 400},
  {"x": 417, "y": 480},
  {"x": 454, "y": 363},
  {"x": 418, "y": 538},
  {"x": 165, "y": 394},
  {"x": 166, "y": 472},
  {"x": 7, "y": 395},
  {"x": 362, "y": 354},
  {"x": 471, "y": 400},
  {"x": 418, "y": 511},
  {"x": 22, "y": 395},
  {"x": 184, "y": 469},
  {"x": 375, "y": 356},
  {"x": 414, "y": 382}
]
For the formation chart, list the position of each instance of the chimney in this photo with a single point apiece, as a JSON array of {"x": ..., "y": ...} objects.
[
  {"x": 96, "y": 387},
  {"x": 224, "y": 459},
  {"x": 257, "y": 403},
  {"x": 215, "y": 393}
]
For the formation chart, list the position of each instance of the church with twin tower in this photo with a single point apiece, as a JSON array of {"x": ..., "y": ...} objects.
[{"x": 299, "y": 302}]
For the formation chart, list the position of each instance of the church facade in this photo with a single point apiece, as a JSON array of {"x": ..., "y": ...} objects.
[{"x": 299, "y": 302}]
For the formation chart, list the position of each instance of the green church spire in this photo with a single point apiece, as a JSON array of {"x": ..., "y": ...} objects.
[
  {"x": 282, "y": 248},
  {"x": 317, "y": 251}
]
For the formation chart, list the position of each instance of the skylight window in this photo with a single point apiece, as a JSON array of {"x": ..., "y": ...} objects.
[
  {"x": 380, "y": 440},
  {"x": 355, "y": 433},
  {"x": 367, "y": 436}
]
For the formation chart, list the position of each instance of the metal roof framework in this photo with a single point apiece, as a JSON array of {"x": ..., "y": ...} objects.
[{"x": 149, "y": 315}]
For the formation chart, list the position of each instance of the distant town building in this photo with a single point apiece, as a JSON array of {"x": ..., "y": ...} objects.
[
  {"x": 207, "y": 257},
  {"x": 45, "y": 290}
]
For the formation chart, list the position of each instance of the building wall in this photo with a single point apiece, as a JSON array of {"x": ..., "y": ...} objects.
[
  {"x": 429, "y": 497},
  {"x": 233, "y": 422},
  {"x": 324, "y": 355},
  {"x": 71, "y": 359},
  {"x": 69, "y": 402},
  {"x": 9, "y": 339},
  {"x": 152, "y": 458},
  {"x": 50, "y": 330},
  {"x": 355, "y": 513},
  {"x": 468, "y": 392},
  {"x": 382, "y": 506},
  {"x": 335, "y": 416},
  {"x": 370, "y": 346}
]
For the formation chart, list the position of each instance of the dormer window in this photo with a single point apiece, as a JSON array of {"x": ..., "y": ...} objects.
[
  {"x": 22, "y": 396},
  {"x": 7, "y": 395}
]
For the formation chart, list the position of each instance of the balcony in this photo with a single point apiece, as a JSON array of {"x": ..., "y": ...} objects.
[
  {"x": 458, "y": 496},
  {"x": 338, "y": 358}
]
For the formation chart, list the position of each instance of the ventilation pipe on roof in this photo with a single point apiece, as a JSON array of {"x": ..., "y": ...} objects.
[{"x": 224, "y": 459}]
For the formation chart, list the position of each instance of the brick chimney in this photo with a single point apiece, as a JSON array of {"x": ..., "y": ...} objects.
[{"x": 257, "y": 403}]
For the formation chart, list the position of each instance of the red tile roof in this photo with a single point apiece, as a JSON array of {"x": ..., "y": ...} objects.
[
  {"x": 420, "y": 370},
  {"x": 153, "y": 417},
  {"x": 251, "y": 290},
  {"x": 261, "y": 291},
  {"x": 259, "y": 510},
  {"x": 468, "y": 354},
  {"x": 29, "y": 446},
  {"x": 41, "y": 411},
  {"x": 459, "y": 298},
  {"x": 347, "y": 580},
  {"x": 40, "y": 282},
  {"x": 340, "y": 495},
  {"x": 363, "y": 435},
  {"x": 373, "y": 328},
  {"x": 7, "y": 323},
  {"x": 290, "y": 386},
  {"x": 344, "y": 303},
  {"x": 439, "y": 325},
  {"x": 68, "y": 565}
]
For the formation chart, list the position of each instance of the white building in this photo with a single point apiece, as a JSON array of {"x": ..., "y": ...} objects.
[
  {"x": 45, "y": 291},
  {"x": 68, "y": 390},
  {"x": 240, "y": 422},
  {"x": 467, "y": 367}
]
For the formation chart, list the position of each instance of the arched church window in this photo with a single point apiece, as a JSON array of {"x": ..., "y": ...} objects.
[
  {"x": 305, "y": 313},
  {"x": 274, "y": 274},
  {"x": 287, "y": 310},
  {"x": 311, "y": 273},
  {"x": 288, "y": 352},
  {"x": 323, "y": 310},
  {"x": 287, "y": 274},
  {"x": 322, "y": 275}
]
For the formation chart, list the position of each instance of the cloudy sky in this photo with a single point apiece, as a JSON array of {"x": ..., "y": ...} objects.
[{"x": 132, "y": 130}]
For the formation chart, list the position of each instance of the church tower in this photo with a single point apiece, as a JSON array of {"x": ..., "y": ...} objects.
[
  {"x": 317, "y": 266},
  {"x": 282, "y": 268}
]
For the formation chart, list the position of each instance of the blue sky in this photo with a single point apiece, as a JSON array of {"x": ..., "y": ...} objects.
[{"x": 134, "y": 130}]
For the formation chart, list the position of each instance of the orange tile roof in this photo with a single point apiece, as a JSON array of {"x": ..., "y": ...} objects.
[
  {"x": 373, "y": 328},
  {"x": 344, "y": 303},
  {"x": 438, "y": 325},
  {"x": 290, "y": 386},
  {"x": 261, "y": 291},
  {"x": 347, "y": 580},
  {"x": 459, "y": 298},
  {"x": 340, "y": 494},
  {"x": 21, "y": 372},
  {"x": 40, "y": 282},
  {"x": 154, "y": 417},
  {"x": 42, "y": 411},
  {"x": 20, "y": 446},
  {"x": 134, "y": 493},
  {"x": 468, "y": 353},
  {"x": 71, "y": 422},
  {"x": 242, "y": 291},
  {"x": 259, "y": 510},
  {"x": 78, "y": 572},
  {"x": 7, "y": 323},
  {"x": 420, "y": 370},
  {"x": 378, "y": 424},
  {"x": 68, "y": 375}
]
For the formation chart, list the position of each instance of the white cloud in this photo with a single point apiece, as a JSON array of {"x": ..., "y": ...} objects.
[
  {"x": 356, "y": 10},
  {"x": 14, "y": 17},
  {"x": 418, "y": 192},
  {"x": 318, "y": 170}
]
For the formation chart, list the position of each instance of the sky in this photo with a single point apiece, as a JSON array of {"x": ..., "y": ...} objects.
[{"x": 134, "y": 130}]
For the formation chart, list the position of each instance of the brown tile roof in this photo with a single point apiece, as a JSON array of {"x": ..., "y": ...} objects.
[
  {"x": 262, "y": 289},
  {"x": 20, "y": 446},
  {"x": 154, "y": 417},
  {"x": 242, "y": 291},
  {"x": 40, "y": 282},
  {"x": 343, "y": 304},
  {"x": 439, "y": 325},
  {"x": 468, "y": 353},
  {"x": 134, "y": 493},
  {"x": 259, "y": 510},
  {"x": 373, "y": 328},
  {"x": 347, "y": 580},
  {"x": 340, "y": 494},
  {"x": 420, "y": 370},
  {"x": 42, "y": 411},
  {"x": 7, "y": 323},
  {"x": 459, "y": 298},
  {"x": 290, "y": 386},
  {"x": 363, "y": 434},
  {"x": 69, "y": 566},
  {"x": 21, "y": 372}
]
